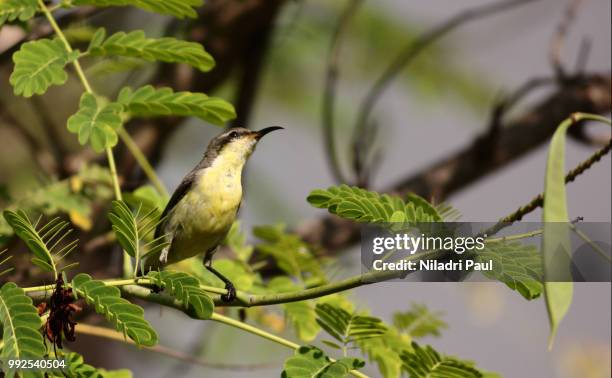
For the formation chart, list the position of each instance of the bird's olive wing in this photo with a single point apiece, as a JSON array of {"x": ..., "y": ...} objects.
[{"x": 178, "y": 194}]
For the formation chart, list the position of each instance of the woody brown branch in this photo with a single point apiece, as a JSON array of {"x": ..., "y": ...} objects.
[{"x": 515, "y": 138}]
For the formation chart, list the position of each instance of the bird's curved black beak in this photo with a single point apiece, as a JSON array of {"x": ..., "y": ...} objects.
[{"x": 259, "y": 134}]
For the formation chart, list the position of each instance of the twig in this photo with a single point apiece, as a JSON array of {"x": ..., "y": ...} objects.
[
  {"x": 329, "y": 94},
  {"x": 256, "y": 331},
  {"x": 142, "y": 161},
  {"x": 559, "y": 37},
  {"x": 409, "y": 53},
  {"x": 538, "y": 200}
]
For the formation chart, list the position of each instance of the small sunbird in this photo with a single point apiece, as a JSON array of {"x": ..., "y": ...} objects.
[{"x": 203, "y": 207}]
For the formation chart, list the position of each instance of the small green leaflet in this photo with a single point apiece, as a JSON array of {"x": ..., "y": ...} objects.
[
  {"x": 96, "y": 122},
  {"x": 428, "y": 363},
  {"x": 366, "y": 206},
  {"x": 311, "y": 362},
  {"x": 176, "y": 8},
  {"x": 47, "y": 242},
  {"x": 127, "y": 317},
  {"x": 290, "y": 252},
  {"x": 136, "y": 44},
  {"x": 22, "y": 10},
  {"x": 348, "y": 328},
  {"x": 21, "y": 328},
  {"x": 148, "y": 101},
  {"x": 39, "y": 65},
  {"x": 419, "y": 321},
  {"x": 186, "y": 288},
  {"x": 148, "y": 198},
  {"x": 517, "y": 265},
  {"x": 300, "y": 314},
  {"x": 236, "y": 241},
  {"x": 135, "y": 231},
  {"x": 78, "y": 368}
]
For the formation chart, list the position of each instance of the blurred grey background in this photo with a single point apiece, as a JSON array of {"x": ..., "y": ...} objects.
[{"x": 421, "y": 120}]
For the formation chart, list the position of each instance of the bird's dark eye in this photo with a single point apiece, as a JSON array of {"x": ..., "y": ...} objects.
[{"x": 233, "y": 135}]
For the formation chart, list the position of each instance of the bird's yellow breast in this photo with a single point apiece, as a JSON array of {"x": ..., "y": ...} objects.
[
  {"x": 202, "y": 218},
  {"x": 213, "y": 202}
]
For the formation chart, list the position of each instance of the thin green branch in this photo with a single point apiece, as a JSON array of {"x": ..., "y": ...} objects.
[
  {"x": 266, "y": 335},
  {"x": 538, "y": 200},
  {"x": 142, "y": 160},
  {"x": 508, "y": 238},
  {"x": 127, "y": 262},
  {"x": 111, "y": 334}
]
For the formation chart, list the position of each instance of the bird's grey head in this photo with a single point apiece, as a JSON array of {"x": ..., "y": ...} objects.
[{"x": 235, "y": 143}]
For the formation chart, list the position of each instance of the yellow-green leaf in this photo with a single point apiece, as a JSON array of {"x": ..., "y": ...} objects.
[
  {"x": 11, "y": 10},
  {"x": 177, "y": 8},
  {"x": 148, "y": 101},
  {"x": 166, "y": 49},
  {"x": 95, "y": 122},
  {"x": 555, "y": 241},
  {"x": 39, "y": 65}
]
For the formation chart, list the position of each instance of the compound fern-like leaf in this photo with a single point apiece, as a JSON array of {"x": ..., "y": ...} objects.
[
  {"x": 4, "y": 260},
  {"x": 96, "y": 122},
  {"x": 301, "y": 314},
  {"x": 517, "y": 265},
  {"x": 21, "y": 329},
  {"x": 39, "y": 65},
  {"x": 419, "y": 321},
  {"x": 311, "y": 362},
  {"x": 136, "y": 44},
  {"x": 148, "y": 101},
  {"x": 133, "y": 230},
  {"x": 22, "y": 10},
  {"x": 348, "y": 328},
  {"x": 186, "y": 288},
  {"x": 127, "y": 317},
  {"x": 176, "y": 8},
  {"x": 428, "y": 363},
  {"x": 365, "y": 206},
  {"x": 46, "y": 242},
  {"x": 79, "y": 369}
]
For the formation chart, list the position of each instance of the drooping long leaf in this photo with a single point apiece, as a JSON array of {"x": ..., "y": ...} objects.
[
  {"x": 136, "y": 44},
  {"x": 21, "y": 329},
  {"x": 556, "y": 243},
  {"x": 127, "y": 317},
  {"x": 148, "y": 101}
]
